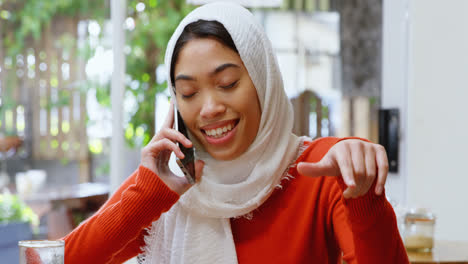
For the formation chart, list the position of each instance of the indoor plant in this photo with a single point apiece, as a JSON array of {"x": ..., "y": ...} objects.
[{"x": 17, "y": 222}]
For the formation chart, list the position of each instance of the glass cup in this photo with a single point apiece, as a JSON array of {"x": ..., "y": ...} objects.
[
  {"x": 419, "y": 231},
  {"x": 42, "y": 251}
]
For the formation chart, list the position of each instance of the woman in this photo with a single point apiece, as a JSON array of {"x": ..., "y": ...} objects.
[{"x": 262, "y": 194}]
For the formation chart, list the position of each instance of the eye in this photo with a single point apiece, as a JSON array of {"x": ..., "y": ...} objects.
[
  {"x": 230, "y": 85},
  {"x": 185, "y": 92},
  {"x": 187, "y": 96}
]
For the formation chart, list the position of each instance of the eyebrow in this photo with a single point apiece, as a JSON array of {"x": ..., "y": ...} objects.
[
  {"x": 223, "y": 67},
  {"x": 184, "y": 77},
  {"x": 216, "y": 71}
]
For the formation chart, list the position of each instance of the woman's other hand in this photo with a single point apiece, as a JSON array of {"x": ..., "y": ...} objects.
[
  {"x": 358, "y": 162},
  {"x": 155, "y": 156}
]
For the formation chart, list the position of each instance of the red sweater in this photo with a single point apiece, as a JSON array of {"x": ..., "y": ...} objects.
[{"x": 305, "y": 221}]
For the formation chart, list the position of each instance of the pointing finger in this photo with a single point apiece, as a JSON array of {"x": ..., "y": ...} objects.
[{"x": 317, "y": 169}]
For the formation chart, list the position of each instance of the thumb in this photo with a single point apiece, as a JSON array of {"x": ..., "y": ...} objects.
[{"x": 317, "y": 169}]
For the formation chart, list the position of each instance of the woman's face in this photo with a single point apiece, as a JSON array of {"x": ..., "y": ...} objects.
[{"x": 216, "y": 98}]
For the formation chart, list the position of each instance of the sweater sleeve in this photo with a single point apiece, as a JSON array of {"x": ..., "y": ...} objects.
[
  {"x": 364, "y": 227},
  {"x": 115, "y": 233}
]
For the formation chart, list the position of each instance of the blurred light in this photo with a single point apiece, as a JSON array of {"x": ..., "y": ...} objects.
[
  {"x": 134, "y": 84},
  {"x": 145, "y": 77},
  {"x": 53, "y": 82},
  {"x": 140, "y": 7},
  {"x": 65, "y": 71},
  {"x": 31, "y": 59},
  {"x": 65, "y": 127},
  {"x": 130, "y": 105},
  {"x": 140, "y": 131},
  {"x": 100, "y": 66},
  {"x": 94, "y": 29},
  {"x": 54, "y": 144},
  {"x": 65, "y": 146},
  {"x": 161, "y": 73},
  {"x": 8, "y": 62},
  {"x": 127, "y": 49},
  {"x": 43, "y": 66},
  {"x": 20, "y": 122},
  {"x": 5, "y": 14},
  {"x": 130, "y": 23},
  {"x": 129, "y": 132},
  {"x": 95, "y": 146},
  {"x": 138, "y": 51}
]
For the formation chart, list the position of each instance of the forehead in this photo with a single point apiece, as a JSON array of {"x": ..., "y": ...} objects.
[{"x": 208, "y": 52}]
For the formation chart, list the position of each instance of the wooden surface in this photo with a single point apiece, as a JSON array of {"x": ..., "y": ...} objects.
[{"x": 444, "y": 252}]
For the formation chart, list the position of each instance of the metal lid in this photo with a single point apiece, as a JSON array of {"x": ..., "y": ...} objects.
[{"x": 420, "y": 215}]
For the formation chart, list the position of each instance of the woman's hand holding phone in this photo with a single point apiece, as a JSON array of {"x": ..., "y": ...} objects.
[{"x": 155, "y": 156}]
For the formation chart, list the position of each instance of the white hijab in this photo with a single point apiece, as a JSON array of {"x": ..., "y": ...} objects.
[{"x": 197, "y": 228}]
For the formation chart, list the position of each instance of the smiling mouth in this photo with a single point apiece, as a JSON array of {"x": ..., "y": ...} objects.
[{"x": 220, "y": 131}]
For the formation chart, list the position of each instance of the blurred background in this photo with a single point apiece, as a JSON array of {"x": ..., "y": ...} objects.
[{"x": 83, "y": 88}]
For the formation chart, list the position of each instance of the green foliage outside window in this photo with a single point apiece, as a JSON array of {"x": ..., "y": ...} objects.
[
  {"x": 146, "y": 44},
  {"x": 12, "y": 209},
  {"x": 153, "y": 28}
]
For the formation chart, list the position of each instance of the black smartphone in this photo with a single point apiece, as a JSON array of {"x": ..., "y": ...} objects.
[{"x": 187, "y": 164}]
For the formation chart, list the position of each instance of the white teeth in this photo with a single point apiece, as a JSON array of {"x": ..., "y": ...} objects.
[{"x": 218, "y": 132}]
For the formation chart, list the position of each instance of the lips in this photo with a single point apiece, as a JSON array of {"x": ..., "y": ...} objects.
[{"x": 220, "y": 132}]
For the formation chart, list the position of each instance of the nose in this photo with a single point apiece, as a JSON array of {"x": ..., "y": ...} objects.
[{"x": 212, "y": 107}]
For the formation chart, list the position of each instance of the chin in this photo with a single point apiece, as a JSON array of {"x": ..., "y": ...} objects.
[{"x": 223, "y": 155}]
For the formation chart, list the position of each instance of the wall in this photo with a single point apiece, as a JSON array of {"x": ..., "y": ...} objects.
[
  {"x": 395, "y": 84},
  {"x": 437, "y": 112},
  {"x": 432, "y": 98}
]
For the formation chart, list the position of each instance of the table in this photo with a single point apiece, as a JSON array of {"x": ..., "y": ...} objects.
[
  {"x": 61, "y": 204},
  {"x": 68, "y": 192},
  {"x": 444, "y": 252}
]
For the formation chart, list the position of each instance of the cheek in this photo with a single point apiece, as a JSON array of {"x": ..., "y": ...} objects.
[
  {"x": 188, "y": 115},
  {"x": 251, "y": 107}
]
